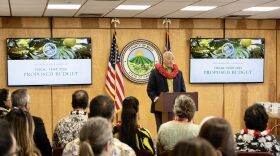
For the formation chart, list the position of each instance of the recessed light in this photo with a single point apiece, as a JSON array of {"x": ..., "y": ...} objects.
[
  {"x": 132, "y": 7},
  {"x": 198, "y": 8},
  {"x": 64, "y": 6},
  {"x": 261, "y": 9}
]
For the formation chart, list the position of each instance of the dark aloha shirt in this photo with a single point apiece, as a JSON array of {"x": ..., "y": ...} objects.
[
  {"x": 68, "y": 128},
  {"x": 247, "y": 142}
]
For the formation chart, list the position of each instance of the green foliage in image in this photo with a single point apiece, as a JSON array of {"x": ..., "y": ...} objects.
[
  {"x": 227, "y": 48},
  {"x": 68, "y": 48},
  {"x": 140, "y": 65}
]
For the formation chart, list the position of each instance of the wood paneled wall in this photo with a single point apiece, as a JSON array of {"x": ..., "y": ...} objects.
[{"x": 223, "y": 100}]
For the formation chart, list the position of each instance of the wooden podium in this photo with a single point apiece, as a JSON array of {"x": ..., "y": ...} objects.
[{"x": 166, "y": 102}]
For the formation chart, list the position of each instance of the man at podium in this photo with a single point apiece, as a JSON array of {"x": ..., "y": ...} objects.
[{"x": 164, "y": 78}]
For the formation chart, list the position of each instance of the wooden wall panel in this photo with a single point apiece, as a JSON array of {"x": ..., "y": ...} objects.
[
  {"x": 24, "y": 22},
  {"x": 210, "y": 95},
  {"x": 228, "y": 100},
  {"x": 250, "y": 24},
  {"x": 239, "y": 96},
  {"x": 139, "y": 90},
  {"x": 278, "y": 66},
  {"x": 81, "y": 23},
  {"x": 101, "y": 42},
  {"x": 40, "y": 96}
]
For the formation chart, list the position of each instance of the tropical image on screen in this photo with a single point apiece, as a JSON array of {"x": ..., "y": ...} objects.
[
  {"x": 49, "y": 61},
  {"x": 227, "y": 48},
  {"x": 49, "y": 48},
  {"x": 226, "y": 60}
]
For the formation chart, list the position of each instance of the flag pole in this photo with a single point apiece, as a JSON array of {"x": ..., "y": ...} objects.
[
  {"x": 115, "y": 21},
  {"x": 167, "y": 22}
]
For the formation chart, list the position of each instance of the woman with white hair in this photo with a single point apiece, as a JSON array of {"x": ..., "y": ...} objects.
[
  {"x": 95, "y": 137},
  {"x": 182, "y": 126}
]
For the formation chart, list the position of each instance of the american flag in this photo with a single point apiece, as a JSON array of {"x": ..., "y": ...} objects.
[
  {"x": 114, "y": 80},
  {"x": 167, "y": 42}
]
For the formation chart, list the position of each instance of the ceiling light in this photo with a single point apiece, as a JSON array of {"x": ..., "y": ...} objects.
[
  {"x": 198, "y": 8},
  {"x": 64, "y": 6},
  {"x": 261, "y": 9},
  {"x": 132, "y": 7}
]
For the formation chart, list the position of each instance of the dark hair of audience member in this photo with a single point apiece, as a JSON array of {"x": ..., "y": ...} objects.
[
  {"x": 129, "y": 125},
  {"x": 22, "y": 126},
  {"x": 80, "y": 99},
  {"x": 94, "y": 136},
  {"x": 256, "y": 117},
  {"x": 6, "y": 138},
  {"x": 218, "y": 132},
  {"x": 102, "y": 106},
  {"x": 4, "y": 93},
  {"x": 193, "y": 147}
]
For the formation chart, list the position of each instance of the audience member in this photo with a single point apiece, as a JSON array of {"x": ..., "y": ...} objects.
[
  {"x": 22, "y": 126},
  {"x": 193, "y": 147},
  {"x": 129, "y": 131},
  {"x": 8, "y": 144},
  {"x": 21, "y": 99},
  {"x": 182, "y": 126},
  {"x": 101, "y": 106},
  {"x": 95, "y": 137},
  {"x": 69, "y": 127},
  {"x": 218, "y": 132},
  {"x": 256, "y": 137},
  {"x": 5, "y": 102}
]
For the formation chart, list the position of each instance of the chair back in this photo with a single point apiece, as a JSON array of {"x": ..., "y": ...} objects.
[
  {"x": 57, "y": 151},
  {"x": 165, "y": 153},
  {"x": 254, "y": 154},
  {"x": 144, "y": 153}
]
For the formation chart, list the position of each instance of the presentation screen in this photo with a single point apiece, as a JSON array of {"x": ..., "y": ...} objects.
[
  {"x": 48, "y": 61},
  {"x": 226, "y": 60}
]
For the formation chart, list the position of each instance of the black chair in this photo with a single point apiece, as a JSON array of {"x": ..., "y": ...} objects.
[
  {"x": 57, "y": 151},
  {"x": 144, "y": 153},
  {"x": 165, "y": 153},
  {"x": 254, "y": 154}
]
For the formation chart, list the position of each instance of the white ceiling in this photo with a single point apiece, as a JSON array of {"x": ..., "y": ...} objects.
[{"x": 158, "y": 9}]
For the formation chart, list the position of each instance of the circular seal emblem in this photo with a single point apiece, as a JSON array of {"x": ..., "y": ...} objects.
[
  {"x": 49, "y": 49},
  {"x": 138, "y": 58},
  {"x": 228, "y": 49}
]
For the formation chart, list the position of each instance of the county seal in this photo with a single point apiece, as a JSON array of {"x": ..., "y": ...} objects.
[{"x": 138, "y": 58}]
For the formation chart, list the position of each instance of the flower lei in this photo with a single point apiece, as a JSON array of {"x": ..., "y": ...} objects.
[
  {"x": 166, "y": 74},
  {"x": 256, "y": 133}
]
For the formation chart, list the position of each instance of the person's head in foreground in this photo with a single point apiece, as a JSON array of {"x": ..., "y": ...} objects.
[
  {"x": 184, "y": 107},
  {"x": 218, "y": 132},
  {"x": 129, "y": 121},
  {"x": 21, "y": 99},
  {"x": 193, "y": 147},
  {"x": 256, "y": 117},
  {"x": 95, "y": 137},
  {"x": 22, "y": 126},
  {"x": 102, "y": 106},
  {"x": 5, "y": 99},
  {"x": 8, "y": 145}
]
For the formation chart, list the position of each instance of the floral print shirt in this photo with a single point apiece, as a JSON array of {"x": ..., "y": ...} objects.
[
  {"x": 118, "y": 148},
  {"x": 263, "y": 142},
  {"x": 68, "y": 128}
]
